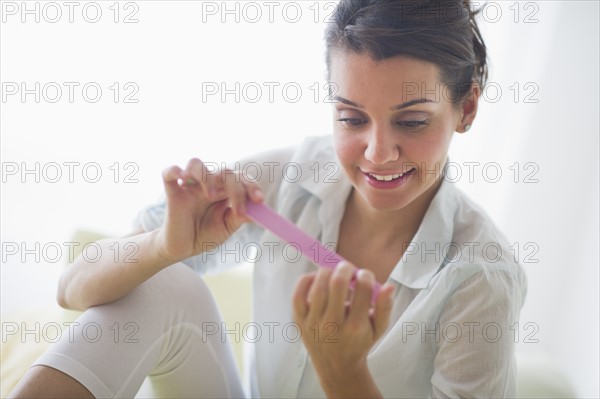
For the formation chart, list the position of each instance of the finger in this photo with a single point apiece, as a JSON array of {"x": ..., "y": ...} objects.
[
  {"x": 361, "y": 301},
  {"x": 253, "y": 189},
  {"x": 235, "y": 192},
  {"x": 300, "y": 297},
  {"x": 319, "y": 293},
  {"x": 208, "y": 181},
  {"x": 171, "y": 176},
  {"x": 338, "y": 292},
  {"x": 383, "y": 309}
]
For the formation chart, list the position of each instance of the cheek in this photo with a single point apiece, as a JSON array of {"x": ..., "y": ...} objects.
[
  {"x": 347, "y": 148},
  {"x": 434, "y": 145}
]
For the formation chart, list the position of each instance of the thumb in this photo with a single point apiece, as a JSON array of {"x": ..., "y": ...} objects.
[{"x": 230, "y": 220}]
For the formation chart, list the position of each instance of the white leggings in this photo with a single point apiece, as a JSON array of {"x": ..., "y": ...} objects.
[{"x": 155, "y": 331}]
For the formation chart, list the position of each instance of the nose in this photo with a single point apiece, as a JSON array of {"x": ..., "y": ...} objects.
[{"x": 382, "y": 147}]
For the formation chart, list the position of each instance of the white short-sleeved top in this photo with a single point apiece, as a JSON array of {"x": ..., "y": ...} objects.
[{"x": 458, "y": 298}]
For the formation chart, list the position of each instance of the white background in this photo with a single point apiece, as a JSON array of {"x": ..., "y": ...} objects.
[{"x": 176, "y": 48}]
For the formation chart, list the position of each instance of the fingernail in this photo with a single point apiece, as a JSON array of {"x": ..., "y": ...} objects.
[
  {"x": 258, "y": 194},
  {"x": 346, "y": 265},
  {"x": 365, "y": 275}
]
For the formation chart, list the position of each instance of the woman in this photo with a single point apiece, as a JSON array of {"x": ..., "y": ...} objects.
[{"x": 407, "y": 75}]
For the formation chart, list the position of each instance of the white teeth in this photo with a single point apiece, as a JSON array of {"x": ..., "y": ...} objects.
[{"x": 387, "y": 177}]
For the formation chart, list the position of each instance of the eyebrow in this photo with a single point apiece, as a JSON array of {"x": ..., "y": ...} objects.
[{"x": 395, "y": 107}]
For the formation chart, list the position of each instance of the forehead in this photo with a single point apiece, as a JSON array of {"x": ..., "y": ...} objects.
[{"x": 359, "y": 75}]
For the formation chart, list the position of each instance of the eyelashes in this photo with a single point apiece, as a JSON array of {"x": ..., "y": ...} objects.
[
  {"x": 409, "y": 125},
  {"x": 413, "y": 124},
  {"x": 352, "y": 121}
]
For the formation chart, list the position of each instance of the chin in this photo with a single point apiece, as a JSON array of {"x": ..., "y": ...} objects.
[{"x": 387, "y": 202}]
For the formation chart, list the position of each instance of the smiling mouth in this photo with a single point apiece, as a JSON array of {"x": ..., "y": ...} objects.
[{"x": 389, "y": 177}]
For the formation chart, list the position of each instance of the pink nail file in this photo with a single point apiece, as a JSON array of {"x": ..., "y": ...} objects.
[{"x": 288, "y": 232}]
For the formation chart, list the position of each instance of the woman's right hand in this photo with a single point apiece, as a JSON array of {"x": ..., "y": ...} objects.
[{"x": 203, "y": 208}]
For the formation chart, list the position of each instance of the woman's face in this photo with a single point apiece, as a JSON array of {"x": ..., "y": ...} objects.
[{"x": 393, "y": 122}]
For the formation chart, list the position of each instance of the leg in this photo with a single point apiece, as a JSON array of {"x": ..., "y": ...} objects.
[
  {"x": 46, "y": 382},
  {"x": 163, "y": 329}
]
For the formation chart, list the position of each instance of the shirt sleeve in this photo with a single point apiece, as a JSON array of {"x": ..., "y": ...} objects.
[
  {"x": 475, "y": 357},
  {"x": 151, "y": 217}
]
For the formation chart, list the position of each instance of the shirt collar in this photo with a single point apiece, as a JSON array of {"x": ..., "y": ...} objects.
[
  {"x": 424, "y": 255},
  {"x": 331, "y": 186},
  {"x": 327, "y": 180}
]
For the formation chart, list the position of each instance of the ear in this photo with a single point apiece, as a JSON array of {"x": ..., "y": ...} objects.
[{"x": 468, "y": 108}]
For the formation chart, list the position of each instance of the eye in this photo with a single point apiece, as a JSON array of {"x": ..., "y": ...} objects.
[
  {"x": 351, "y": 118},
  {"x": 352, "y": 122},
  {"x": 412, "y": 125}
]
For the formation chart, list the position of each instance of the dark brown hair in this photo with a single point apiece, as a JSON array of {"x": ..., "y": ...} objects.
[{"x": 443, "y": 32}]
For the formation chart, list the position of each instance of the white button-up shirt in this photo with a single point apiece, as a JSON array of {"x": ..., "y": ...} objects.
[{"x": 459, "y": 290}]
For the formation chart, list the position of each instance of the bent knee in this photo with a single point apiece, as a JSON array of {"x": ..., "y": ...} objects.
[{"x": 175, "y": 292}]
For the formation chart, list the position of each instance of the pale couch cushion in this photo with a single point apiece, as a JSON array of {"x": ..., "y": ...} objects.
[{"x": 231, "y": 289}]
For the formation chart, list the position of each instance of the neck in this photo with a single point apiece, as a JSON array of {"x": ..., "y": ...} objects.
[{"x": 390, "y": 226}]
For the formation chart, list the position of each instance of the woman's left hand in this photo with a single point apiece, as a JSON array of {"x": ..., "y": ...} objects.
[{"x": 338, "y": 333}]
